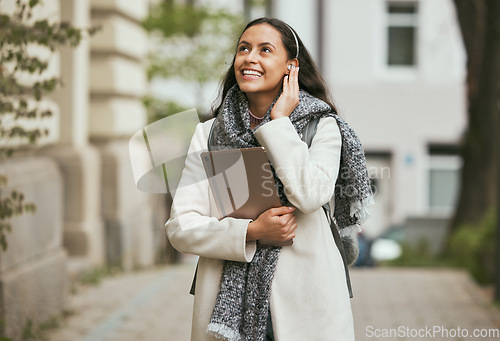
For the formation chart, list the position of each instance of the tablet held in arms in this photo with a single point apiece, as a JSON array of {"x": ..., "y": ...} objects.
[{"x": 242, "y": 183}]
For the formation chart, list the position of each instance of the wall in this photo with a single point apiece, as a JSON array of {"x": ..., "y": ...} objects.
[{"x": 90, "y": 213}]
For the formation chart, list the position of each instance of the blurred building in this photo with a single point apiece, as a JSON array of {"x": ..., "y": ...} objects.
[
  {"x": 397, "y": 71},
  {"x": 90, "y": 213}
]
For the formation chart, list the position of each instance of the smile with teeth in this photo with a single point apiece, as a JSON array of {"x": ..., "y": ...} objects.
[{"x": 252, "y": 73}]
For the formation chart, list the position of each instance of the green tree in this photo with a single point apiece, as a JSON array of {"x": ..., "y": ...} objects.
[
  {"x": 23, "y": 84},
  {"x": 195, "y": 44}
]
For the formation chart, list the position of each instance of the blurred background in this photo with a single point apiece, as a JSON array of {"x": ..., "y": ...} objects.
[{"x": 414, "y": 78}]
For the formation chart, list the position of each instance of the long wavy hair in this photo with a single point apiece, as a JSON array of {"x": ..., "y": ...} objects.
[{"x": 310, "y": 79}]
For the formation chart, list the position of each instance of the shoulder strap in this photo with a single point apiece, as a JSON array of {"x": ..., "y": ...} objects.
[
  {"x": 340, "y": 246},
  {"x": 209, "y": 141},
  {"x": 309, "y": 131}
]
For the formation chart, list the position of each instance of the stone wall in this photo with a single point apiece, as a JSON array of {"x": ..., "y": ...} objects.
[
  {"x": 117, "y": 83},
  {"x": 89, "y": 212},
  {"x": 33, "y": 276}
]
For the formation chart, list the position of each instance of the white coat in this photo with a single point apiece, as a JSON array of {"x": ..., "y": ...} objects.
[{"x": 309, "y": 297}]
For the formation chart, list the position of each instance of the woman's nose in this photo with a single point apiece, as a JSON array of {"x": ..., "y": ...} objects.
[{"x": 252, "y": 56}]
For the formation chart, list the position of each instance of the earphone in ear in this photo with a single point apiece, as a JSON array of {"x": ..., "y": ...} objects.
[{"x": 290, "y": 66}]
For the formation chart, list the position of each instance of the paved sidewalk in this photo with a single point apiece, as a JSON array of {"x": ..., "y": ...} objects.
[
  {"x": 150, "y": 305},
  {"x": 420, "y": 304},
  {"x": 154, "y": 305}
]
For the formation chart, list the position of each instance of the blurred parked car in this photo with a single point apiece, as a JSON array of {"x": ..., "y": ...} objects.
[
  {"x": 364, "y": 258},
  {"x": 387, "y": 246}
]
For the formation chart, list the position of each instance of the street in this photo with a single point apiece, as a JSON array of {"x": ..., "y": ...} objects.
[{"x": 388, "y": 304}]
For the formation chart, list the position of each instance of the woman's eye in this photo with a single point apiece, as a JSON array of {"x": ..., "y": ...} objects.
[
  {"x": 242, "y": 48},
  {"x": 266, "y": 49}
]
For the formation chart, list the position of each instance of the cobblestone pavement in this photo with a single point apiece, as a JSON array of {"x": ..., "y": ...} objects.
[{"x": 389, "y": 304}]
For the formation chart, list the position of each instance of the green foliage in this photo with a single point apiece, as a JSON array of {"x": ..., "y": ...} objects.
[
  {"x": 2, "y": 331},
  {"x": 194, "y": 42},
  {"x": 11, "y": 206},
  {"x": 38, "y": 332},
  {"x": 470, "y": 247},
  {"x": 172, "y": 19},
  {"x": 418, "y": 255},
  {"x": 32, "y": 332},
  {"x": 52, "y": 323},
  {"x": 18, "y": 34},
  {"x": 95, "y": 275},
  {"x": 28, "y": 332},
  {"x": 158, "y": 109},
  {"x": 23, "y": 84},
  {"x": 473, "y": 247}
]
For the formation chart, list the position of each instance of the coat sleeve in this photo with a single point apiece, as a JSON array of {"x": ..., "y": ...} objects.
[
  {"x": 308, "y": 174},
  {"x": 191, "y": 228}
]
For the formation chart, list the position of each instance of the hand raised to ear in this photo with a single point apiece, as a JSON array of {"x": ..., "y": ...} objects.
[{"x": 289, "y": 98}]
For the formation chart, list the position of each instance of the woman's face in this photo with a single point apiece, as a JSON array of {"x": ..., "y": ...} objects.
[{"x": 261, "y": 61}]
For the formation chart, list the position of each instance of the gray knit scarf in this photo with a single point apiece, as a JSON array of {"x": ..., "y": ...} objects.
[{"x": 242, "y": 304}]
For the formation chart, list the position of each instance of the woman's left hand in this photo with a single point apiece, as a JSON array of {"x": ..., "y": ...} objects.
[{"x": 289, "y": 98}]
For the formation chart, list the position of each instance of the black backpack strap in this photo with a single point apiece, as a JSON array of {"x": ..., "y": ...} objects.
[
  {"x": 210, "y": 136},
  {"x": 193, "y": 284},
  {"x": 340, "y": 246},
  {"x": 308, "y": 133}
]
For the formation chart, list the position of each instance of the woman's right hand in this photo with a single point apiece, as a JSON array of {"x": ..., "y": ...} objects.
[
  {"x": 289, "y": 98},
  {"x": 274, "y": 224}
]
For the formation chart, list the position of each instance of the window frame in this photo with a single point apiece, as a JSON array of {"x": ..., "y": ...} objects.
[
  {"x": 400, "y": 73},
  {"x": 442, "y": 162}
]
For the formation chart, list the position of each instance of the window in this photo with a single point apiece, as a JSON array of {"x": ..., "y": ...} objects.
[
  {"x": 444, "y": 178},
  {"x": 402, "y": 19}
]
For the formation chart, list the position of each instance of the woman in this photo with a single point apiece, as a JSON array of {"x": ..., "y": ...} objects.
[{"x": 297, "y": 292}]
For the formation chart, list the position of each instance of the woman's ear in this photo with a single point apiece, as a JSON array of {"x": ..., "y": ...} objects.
[{"x": 292, "y": 63}]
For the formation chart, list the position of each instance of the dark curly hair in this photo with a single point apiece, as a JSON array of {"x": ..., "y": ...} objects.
[{"x": 310, "y": 79}]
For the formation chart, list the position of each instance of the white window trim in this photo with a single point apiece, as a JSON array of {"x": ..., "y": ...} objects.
[
  {"x": 384, "y": 72},
  {"x": 441, "y": 162},
  {"x": 445, "y": 162}
]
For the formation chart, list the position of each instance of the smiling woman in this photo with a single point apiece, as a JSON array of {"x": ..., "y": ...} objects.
[
  {"x": 244, "y": 290},
  {"x": 260, "y": 63}
]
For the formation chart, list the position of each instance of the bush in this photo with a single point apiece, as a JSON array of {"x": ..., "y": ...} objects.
[
  {"x": 417, "y": 255},
  {"x": 158, "y": 109},
  {"x": 473, "y": 247}
]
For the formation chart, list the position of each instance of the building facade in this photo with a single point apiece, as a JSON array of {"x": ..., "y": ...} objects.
[
  {"x": 89, "y": 212},
  {"x": 397, "y": 71}
]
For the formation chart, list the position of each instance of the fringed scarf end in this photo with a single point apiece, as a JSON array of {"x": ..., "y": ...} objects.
[
  {"x": 359, "y": 209},
  {"x": 347, "y": 231},
  {"x": 223, "y": 332}
]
